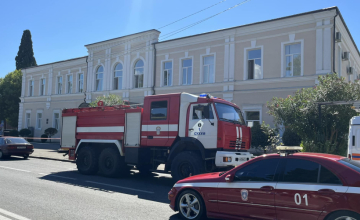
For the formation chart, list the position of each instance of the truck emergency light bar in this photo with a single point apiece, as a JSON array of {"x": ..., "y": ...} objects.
[{"x": 286, "y": 150}]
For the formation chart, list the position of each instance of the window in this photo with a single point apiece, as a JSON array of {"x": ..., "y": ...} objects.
[
  {"x": 202, "y": 112},
  {"x": 158, "y": 110},
  {"x": 31, "y": 88},
  {"x": 254, "y": 64},
  {"x": 81, "y": 83},
  {"x": 293, "y": 59},
  {"x": 38, "y": 120},
  {"x": 99, "y": 78},
  {"x": 263, "y": 170},
  {"x": 69, "y": 84},
  {"x": 139, "y": 74},
  {"x": 300, "y": 171},
  {"x": 326, "y": 176},
  {"x": 56, "y": 120},
  {"x": 59, "y": 85},
  {"x": 118, "y": 74},
  {"x": 167, "y": 73},
  {"x": 187, "y": 71},
  {"x": 252, "y": 117},
  {"x": 229, "y": 113},
  {"x": 42, "y": 86},
  {"x": 27, "y": 120},
  {"x": 208, "y": 69},
  {"x": 353, "y": 164}
]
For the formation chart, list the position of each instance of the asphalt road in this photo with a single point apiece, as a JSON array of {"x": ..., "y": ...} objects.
[{"x": 46, "y": 189}]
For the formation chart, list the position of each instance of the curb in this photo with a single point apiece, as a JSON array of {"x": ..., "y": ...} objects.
[{"x": 48, "y": 158}]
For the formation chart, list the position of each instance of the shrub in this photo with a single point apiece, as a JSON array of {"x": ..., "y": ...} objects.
[
  {"x": 13, "y": 133},
  {"x": 51, "y": 132},
  {"x": 44, "y": 136},
  {"x": 290, "y": 138},
  {"x": 24, "y": 132},
  {"x": 258, "y": 136}
]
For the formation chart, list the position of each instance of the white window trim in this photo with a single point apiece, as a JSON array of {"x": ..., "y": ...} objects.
[
  {"x": 67, "y": 82},
  {"x": 44, "y": 91},
  {"x": 162, "y": 72},
  {"x": 53, "y": 121},
  {"x": 202, "y": 56},
  {"x": 27, "y": 112},
  {"x": 113, "y": 75},
  {"x": 31, "y": 91},
  {"x": 95, "y": 78},
  {"x": 248, "y": 108},
  {"x": 283, "y": 44},
  {"x": 261, "y": 47},
  {"x": 339, "y": 60},
  {"x": 180, "y": 70},
  {"x": 77, "y": 81},
  {"x": 133, "y": 73},
  {"x": 57, "y": 85},
  {"x": 42, "y": 116}
]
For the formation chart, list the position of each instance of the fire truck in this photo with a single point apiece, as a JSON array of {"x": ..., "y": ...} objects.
[{"x": 187, "y": 133}]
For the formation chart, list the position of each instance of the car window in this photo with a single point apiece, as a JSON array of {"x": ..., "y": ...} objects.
[
  {"x": 355, "y": 165},
  {"x": 263, "y": 170},
  {"x": 326, "y": 176},
  {"x": 1, "y": 141},
  {"x": 158, "y": 110},
  {"x": 300, "y": 171},
  {"x": 16, "y": 141}
]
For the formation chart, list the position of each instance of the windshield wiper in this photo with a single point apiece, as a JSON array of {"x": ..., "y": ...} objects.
[{"x": 222, "y": 173}]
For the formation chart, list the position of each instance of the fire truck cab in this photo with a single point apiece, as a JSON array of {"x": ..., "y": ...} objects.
[{"x": 189, "y": 134}]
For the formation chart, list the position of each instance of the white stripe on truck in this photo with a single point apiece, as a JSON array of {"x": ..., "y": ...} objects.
[{"x": 100, "y": 129}]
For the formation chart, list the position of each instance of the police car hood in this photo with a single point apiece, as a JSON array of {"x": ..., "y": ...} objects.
[{"x": 206, "y": 177}]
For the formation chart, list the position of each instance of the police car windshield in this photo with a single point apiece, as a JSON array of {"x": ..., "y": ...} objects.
[
  {"x": 355, "y": 165},
  {"x": 229, "y": 113}
]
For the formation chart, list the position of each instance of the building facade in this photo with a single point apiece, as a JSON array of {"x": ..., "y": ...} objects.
[{"x": 247, "y": 65}]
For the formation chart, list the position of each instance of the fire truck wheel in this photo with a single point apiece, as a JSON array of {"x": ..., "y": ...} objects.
[
  {"x": 87, "y": 161},
  {"x": 111, "y": 164},
  {"x": 185, "y": 164}
]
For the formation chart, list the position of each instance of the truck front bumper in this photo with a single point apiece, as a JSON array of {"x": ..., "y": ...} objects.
[{"x": 227, "y": 158}]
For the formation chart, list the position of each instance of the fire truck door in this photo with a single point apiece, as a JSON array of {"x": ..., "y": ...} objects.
[{"x": 203, "y": 124}]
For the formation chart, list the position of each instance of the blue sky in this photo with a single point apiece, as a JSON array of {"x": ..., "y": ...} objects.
[{"x": 60, "y": 29}]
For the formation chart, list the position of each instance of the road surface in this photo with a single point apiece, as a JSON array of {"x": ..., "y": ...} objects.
[{"x": 47, "y": 189}]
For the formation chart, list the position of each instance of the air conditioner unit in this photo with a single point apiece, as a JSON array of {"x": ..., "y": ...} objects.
[
  {"x": 346, "y": 56},
  {"x": 349, "y": 70},
  {"x": 338, "y": 37}
]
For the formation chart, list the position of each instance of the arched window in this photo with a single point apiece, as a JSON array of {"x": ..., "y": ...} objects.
[
  {"x": 118, "y": 74},
  {"x": 99, "y": 78},
  {"x": 139, "y": 74}
]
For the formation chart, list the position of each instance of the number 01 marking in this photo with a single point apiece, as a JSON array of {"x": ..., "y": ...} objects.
[{"x": 297, "y": 199}]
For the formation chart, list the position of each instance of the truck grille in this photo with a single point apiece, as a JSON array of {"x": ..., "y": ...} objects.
[{"x": 237, "y": 144}]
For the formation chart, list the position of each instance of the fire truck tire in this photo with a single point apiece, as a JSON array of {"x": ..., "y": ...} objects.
[
  {"x": 185, "y": 164},
  {"x": 87, "y": 161},
  {"x": 111, "y": 164}
]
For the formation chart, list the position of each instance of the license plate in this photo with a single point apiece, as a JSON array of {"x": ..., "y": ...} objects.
[{"x": 21, "y": 147}]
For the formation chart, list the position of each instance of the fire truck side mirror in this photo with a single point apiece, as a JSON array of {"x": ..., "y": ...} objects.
[{"x": 229, "y": 178}]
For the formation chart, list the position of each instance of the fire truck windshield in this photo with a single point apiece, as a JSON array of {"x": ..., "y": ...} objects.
[{"x": 229, "y": 113}]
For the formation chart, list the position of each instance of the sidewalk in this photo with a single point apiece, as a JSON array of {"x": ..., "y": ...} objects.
[{"x": 48, "y": 151}]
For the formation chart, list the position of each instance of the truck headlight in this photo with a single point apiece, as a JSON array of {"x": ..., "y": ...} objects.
[{"x": 226, "y": 159}]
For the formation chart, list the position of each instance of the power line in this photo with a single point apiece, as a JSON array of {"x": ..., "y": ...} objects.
[{"x": 192, "y": 14}]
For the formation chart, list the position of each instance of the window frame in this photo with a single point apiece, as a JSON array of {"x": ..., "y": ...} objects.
[
  {"x": 283, "y": 57},
  {"x": 31, "y": 87},
  {"x": 57, "y": 85},
  {"x": 167, "y": 109},
  {"x": 53, "y": 122},
  {"x": 114, "y": 76},
  {"x": 246, "y": 55},
  {"x": 202, "y": 65},
  {"x": 42, "y": 90},
  {"x": 78, "y": 80},
  {"x": 136, "y": 84},
  {"x": 69, "y": 84},
  {"x": 181, "y": 70},
  {"x": 39, "y": 126},
  {"x": 27, "y": 120},
  {"x": 100, "y": 80},
  {"x": 252, "y": 108},
  {"x": 163, "y": 72}
]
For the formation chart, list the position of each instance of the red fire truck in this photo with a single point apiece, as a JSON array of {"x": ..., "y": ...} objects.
[{"x": 189, "y": 134}]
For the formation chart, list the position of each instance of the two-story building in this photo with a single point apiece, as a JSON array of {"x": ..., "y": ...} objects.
[{"x": 247, "y": 65}]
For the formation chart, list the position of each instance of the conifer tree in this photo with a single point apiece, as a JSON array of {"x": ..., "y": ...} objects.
[{"x": 25, "y": 57}]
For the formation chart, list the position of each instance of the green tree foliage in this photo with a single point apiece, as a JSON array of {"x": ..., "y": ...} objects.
[
  {"x": 25, "y": 57},
  {"x": 290, "y": 138},
  {"x": 50, "y": 132},
  {"x": 300, "y": 114},
  {"x": 24, "y": 132},
  {"x": 44, "y": 136},
  {"x": 10, "y": 91},
  {"x": 109, "y": 100},
  {"x": 264, "y": 136}
]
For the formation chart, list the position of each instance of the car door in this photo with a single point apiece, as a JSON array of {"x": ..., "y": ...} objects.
[
  {"x": 251, "y": 194},
  {"x": 305, "y": 189}
]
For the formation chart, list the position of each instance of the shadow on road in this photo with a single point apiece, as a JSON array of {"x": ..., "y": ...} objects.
[{"x": 149, "y": 187}]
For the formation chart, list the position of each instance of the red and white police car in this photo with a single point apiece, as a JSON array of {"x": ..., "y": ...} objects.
[{"x": 295, "y": 186}]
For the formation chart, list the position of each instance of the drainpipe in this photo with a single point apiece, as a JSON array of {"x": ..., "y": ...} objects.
[
  {"x": 337, "y": 13},
  {"x": 154, "y": 76}
]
